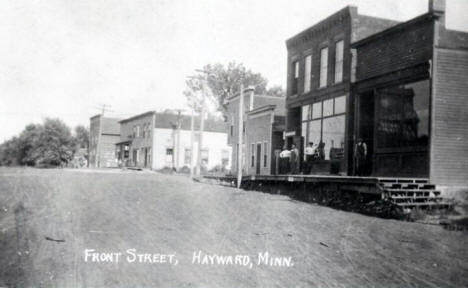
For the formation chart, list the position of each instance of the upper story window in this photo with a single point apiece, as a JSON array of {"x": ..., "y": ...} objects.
[
  {"x": 339, "y": 46},
  {"x": 307, "y": 73},
  {"x": 295, "y": 80},
  {"x": 138, "y": 131},
  {"x": 323, "y": 67}
]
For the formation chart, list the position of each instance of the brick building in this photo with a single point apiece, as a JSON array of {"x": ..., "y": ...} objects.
[
  {"x": 263, "y": 126},
  {"x": 104, "y": 132},
  {"x": 319, "y": 84},
  {"x": 410, "y": 99},
  {"x": 158, "y": 140}
]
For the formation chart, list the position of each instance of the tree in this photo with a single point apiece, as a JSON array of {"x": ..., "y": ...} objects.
[
  {"x": 49, "y": 144},
  {"x": 55, "y": 145},
  {"x": 82, "y": 136},
  {"x": 276, "y": 91},
  {"x": 27, "y": 142},
  {"x": 224, "y": 81},
  {"x": 9, "y": 152}
]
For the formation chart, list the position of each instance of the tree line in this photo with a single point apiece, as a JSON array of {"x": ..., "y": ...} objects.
[
  {"x": 223, "y": 81},
  {"x": 51, "y": 143}
]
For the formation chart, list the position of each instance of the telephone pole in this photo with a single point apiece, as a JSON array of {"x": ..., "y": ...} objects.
[
  {"x": 240, "y": 131},
  {"x": 177, "y": 138},
  {"x": 202, "y": 124},
  {"x": 192, "y": 138}
]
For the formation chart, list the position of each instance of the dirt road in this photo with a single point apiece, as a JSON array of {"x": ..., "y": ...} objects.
[{"x": 49, "y": 218}]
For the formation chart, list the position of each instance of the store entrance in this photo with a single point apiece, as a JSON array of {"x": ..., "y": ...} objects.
[{"x": 365, "y": 132}]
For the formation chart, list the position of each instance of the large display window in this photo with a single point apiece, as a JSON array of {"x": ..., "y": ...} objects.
[
  {"x": 403, "y": 115},
  {"x": 326, "y": 123}
]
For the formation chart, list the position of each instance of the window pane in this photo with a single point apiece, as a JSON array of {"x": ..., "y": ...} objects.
[
  {"x": 403, "y": 118},
  {"x": 317, "y": 110},
  {"x": 339, "y": 61},
  {"x": 307, "y": 73},
  {"x": 328, "y": 107},
  {"x": 305, "y": 112},
  {"x": 314, "y": 131},
  {"x": 323, "y": 67},
  {"x": 333, "y": 133},
  {"x": 304, "y": 132},
  {"x": 295, "y": 80},
  {"x": 340, "y": 105}
]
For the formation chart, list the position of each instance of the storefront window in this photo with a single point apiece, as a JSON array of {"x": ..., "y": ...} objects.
[
  {"x": 403, "y": 115},
  {"x": 317, "y": 110},
  {"x": 304, "y": 132},
  {"x": 305, "y": 112},
  {"x": 333, "y": 133},
  {"x": 314, "y": 131},
  {"x": 340, "y": 105},
  {"x": 328, "y": 107}
]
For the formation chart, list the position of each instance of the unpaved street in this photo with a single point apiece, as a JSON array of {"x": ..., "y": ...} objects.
[{"x": 48, "y": 218}]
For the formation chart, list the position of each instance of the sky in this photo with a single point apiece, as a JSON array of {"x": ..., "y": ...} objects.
[{"x": 66, "y": 58}]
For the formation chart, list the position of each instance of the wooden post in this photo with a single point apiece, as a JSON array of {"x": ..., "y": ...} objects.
[
  {"x": 192, "y": 124},
  {"x": 240, "y": 131}
]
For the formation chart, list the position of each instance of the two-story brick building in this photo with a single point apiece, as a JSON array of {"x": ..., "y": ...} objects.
[
  {"x": 410, "y": 99},
  {"x": 319, "y": 84}
]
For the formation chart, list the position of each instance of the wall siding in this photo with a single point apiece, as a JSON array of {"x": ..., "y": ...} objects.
[
  {"x": 258, "y": 131},
  {"x": 449, "y": 151}
]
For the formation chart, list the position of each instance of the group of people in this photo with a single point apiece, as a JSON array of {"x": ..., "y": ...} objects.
[{"x": 290, "y": 159}]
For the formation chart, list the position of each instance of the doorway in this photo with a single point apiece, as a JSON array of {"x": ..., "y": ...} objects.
[
  {"x": 365, "y": 129},
  {"x": 259, "y": 157}
]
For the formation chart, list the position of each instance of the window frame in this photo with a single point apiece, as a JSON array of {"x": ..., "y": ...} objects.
[
  {"x": 339, "y": 63},
  {"x": 307, "y": 73},
  {"x": 323, "y": 72}
]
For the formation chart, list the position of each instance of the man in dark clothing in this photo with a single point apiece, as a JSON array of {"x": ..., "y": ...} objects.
[
  {"x": 284, "y": 160},
  {"x": 360, "y": 156},
  {"x": 294, "y": 159}
]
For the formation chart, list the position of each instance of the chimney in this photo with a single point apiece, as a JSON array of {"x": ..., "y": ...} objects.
[{"x": 437, "y": 6}]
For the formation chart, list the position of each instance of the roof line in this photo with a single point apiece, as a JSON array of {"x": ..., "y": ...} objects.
[
  {"x": 137, "y": 116},
  {"x": 397, "y": 27}
]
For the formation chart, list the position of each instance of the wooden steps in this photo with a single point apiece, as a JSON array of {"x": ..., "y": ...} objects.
[{"x": 411, "y": 193}]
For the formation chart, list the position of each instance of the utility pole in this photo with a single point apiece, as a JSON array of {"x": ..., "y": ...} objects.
[
  {"x": 192, "y": 138},
  {"x": 240, "y": 131},
  {"x": 177, "y": 139},
  {"x": 202, "y": 124}
]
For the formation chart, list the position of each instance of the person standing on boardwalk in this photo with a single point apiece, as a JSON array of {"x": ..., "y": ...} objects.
[
  {"x": 309, "y": 152},
  {"x": 284, "y": 160},
  {"x": 294, "y": 159},
  {"x": 360, "y": 156}
]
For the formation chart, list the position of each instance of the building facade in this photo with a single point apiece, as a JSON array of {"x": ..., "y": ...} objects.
[
  {"x": 262, "y": 122},
  {"x": 104, "y": 132},
  {"x": 410, "y": 99},
  {"x": 319, "y": 84},
  {"x": 164, "y": 140},
  {"x": 264, "y": 137}
]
